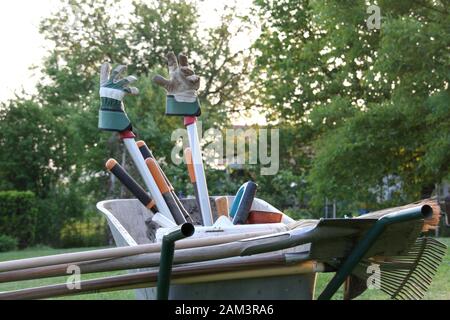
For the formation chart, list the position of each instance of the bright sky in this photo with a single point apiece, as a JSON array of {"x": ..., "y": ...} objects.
[{"x": 23, "y": 46}]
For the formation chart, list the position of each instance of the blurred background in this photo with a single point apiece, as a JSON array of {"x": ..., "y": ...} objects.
[{"x": 362, "y": 108}]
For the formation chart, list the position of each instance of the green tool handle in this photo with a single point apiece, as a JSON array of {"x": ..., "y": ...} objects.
[
  {"x": 363, "y": 246},
  {"x": 167, "y": 251}
]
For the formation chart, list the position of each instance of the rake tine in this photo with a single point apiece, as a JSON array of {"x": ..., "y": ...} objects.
[
  {"x": 420, "y": 279},
  {"x": 391, "y": 282},
  {"x": 416, "y": 284},
  {"x": 408, "y": 293}
]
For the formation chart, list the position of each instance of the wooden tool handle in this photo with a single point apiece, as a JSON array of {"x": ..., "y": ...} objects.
[
  {"x": 190, "y": 164},
  {"x": 223, "y": 207},
  {"x": 116, "y": 169}
]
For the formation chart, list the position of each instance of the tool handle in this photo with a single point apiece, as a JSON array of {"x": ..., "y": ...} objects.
[
  {"x": 236, "y": 201},
  {"x": 147, "y": 153},
  {"x": 222, "y": 206},
  {"x": 117, "y": 170},
  {"x": 157, "y": 175},
  {"x": 245, "y": 203},
  {"x": 144, "y": 149},
  {"x": 190, "y": 164},
  {"x": 176, "y": 212}
]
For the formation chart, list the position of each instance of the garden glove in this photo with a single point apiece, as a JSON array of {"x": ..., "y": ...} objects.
[
  {"x": 181, "y": 87},
  {"x": 113, "y": 88}
]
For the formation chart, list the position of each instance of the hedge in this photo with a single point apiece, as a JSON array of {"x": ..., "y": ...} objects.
[
  {"x": 7, "y": 243},
  {"x": 18, "y": 213}
]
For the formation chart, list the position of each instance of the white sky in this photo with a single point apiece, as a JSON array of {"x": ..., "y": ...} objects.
[{"x": 23, "y": 46}]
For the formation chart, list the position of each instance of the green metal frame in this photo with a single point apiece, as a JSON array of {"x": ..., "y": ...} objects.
[
  {"x": 364, "y": 245},
  {"x": 167, "y": 251}
]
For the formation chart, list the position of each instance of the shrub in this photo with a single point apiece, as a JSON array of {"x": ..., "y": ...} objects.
[
  {"x": 61, "y": 206},
  {"x": 7, "y": 243},
  {"x": 18, "y": 216},
  {"x": 90, "y": 232}
]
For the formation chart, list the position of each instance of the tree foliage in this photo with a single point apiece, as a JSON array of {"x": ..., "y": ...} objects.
[{"x": 373, "y": 102}]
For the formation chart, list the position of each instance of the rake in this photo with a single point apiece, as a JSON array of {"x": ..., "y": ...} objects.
[{"x": 404, "y": 277}]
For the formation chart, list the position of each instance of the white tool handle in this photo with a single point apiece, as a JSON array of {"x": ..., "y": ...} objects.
[{"x": 194, "y": 143}]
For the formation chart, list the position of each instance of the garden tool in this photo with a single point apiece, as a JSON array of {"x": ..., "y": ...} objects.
[
  {"x": 404, "y": 277},
  {"x": 242, "y": 205},
  {"x": 191, "y": 172},
  {"x": 115, "y": 168},
  {"x": 223, "y": 207},
  {"x": 177, "y": 213},
  {"x": 146, "y": 153},
  {"x": 182, "y": 100},
  {"x": 236, "y": 201},
  {"x": 112, "y": 117},
  {"x": 408, "y": 221}
]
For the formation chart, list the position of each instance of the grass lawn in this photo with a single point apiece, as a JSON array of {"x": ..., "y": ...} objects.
[
  {"x": 440, "y": 288},
  {"x": 36, "y": 252}
]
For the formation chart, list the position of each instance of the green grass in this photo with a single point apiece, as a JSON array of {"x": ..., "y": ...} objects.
[
  {"x": 36, "y": 252},
  {"x": 440, "y": 288}
]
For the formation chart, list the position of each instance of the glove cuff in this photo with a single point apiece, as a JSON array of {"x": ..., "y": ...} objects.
[
  {"x": 187, "y": 109},
  {"x": 113, "y": 120}
]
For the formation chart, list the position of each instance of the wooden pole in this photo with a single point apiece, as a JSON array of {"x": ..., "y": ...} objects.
[
  {"x": 118, "y": 252},
  {"x": 100, "y": 260},
  {"x": 261, "y": 267}
]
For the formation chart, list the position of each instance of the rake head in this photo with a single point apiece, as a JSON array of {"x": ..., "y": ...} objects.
[{"x": 405, "y": 277}]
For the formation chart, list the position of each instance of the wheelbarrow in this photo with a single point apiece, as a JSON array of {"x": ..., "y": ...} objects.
[{"x": 128, "y": 222}]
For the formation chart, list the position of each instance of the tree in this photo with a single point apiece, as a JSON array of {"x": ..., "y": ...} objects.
[
  {"x": 141, "y": 38},
  {"x": 368, "y": 100},
  {"x": 33, "y": 153}
]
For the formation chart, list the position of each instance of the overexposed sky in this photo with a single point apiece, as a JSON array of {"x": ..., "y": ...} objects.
[{"x": 22, "y": 46}]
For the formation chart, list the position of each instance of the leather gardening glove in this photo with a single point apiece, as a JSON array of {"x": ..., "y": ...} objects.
[
  {"x": 183, "y": 83},
  {"x": 113, "y": 89}
]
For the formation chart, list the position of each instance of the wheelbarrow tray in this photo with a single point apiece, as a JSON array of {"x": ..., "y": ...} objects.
[{"x": 127, "y": 222}]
